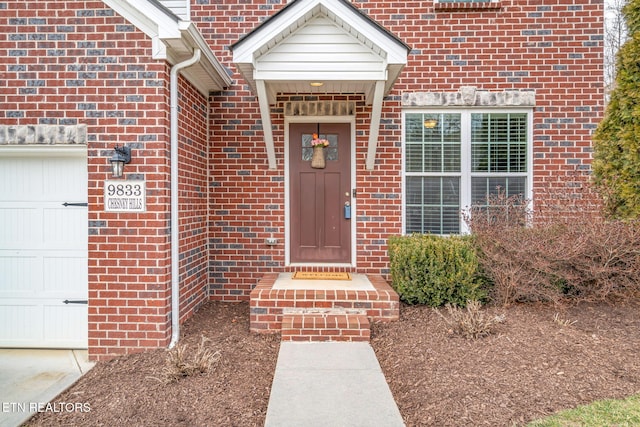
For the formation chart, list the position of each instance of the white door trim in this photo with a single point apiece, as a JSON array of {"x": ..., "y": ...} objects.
[{"x": 43, "y": 150}]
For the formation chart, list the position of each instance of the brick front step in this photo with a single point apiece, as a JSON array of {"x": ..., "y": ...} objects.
[
  {"x": 268, "y": 305},
  {"x": 317, "y": 325}
]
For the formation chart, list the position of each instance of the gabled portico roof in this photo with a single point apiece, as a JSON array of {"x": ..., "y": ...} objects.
[{"x": 327, "y": 42}]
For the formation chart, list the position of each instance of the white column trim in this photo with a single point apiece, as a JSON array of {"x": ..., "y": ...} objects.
[
  {"x": 265, "y": 115},
  {"x": 374, "y": 125}
]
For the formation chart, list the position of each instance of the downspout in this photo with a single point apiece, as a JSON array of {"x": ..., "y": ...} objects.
[{"x": 175, "y": 227}]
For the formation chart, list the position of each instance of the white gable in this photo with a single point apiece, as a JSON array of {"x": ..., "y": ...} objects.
[
  {"x": 312, "y": 40},
  {"x": 329, "y": 43},
  {"x": 321, "y": 51}
]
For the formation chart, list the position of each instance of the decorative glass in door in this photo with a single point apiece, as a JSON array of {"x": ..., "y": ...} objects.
[{"x": 330, "y": 152}]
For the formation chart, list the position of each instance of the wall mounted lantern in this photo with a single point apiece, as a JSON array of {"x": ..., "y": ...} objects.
[{"x": 121, "y": 155}]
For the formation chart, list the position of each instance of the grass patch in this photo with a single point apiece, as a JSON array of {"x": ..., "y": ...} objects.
[{"x": 620, "y": 413}]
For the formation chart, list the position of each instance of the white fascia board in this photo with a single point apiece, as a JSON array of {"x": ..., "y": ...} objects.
[
  {"x": 394, "y": 71},
  {"x": 158, "y": 48},
  {"x": 373, "y": 75},
  {"x": 133, "y": 14},
  {"x": 396, "y": 52},
  {"x": 214, "y": 68},
  {"x": 163, "y": 29},
  {"x": 149, "y": 19}
]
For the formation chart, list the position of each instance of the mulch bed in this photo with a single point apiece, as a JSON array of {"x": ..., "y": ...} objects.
[{"x": 540, "y": 360}]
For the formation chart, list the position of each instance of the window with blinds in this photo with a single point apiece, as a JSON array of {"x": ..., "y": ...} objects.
[
  {"x": 455, "y": 159},
  {"x": 433, "y": 150}
]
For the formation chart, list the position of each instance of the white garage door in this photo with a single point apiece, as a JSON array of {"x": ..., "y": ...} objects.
[{"x": 43, "y": 248}]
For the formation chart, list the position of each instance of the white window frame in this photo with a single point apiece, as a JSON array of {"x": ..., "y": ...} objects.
[{"x": 465, "y": 173}]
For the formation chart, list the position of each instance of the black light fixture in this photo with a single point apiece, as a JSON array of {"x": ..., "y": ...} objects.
[{"x": 121, "y": 155}]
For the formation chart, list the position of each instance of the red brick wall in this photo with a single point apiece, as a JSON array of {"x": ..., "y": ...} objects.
[
  {"x": 78, "y": 62},
  {"x": 193, "y": 201},
  {"x": 550, "y": 46}
]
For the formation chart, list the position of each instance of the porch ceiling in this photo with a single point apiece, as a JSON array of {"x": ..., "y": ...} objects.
[{"x": 329, "y": 42}]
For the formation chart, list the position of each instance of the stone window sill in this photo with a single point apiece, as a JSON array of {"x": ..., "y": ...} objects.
[{"x": 464, "y": 6}]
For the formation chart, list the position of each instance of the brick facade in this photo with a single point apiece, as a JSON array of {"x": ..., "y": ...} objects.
[
  {"x": 80, "y": 63},
  {"x": 554, "y": 48},
  {"x": 74, "y": 62}
]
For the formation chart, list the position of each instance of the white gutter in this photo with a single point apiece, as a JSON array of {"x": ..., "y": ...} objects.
[{"x": 175, "y": 227}]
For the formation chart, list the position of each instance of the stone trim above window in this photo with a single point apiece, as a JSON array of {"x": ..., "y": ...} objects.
[
  {"x": 470, "y": 96},
  {"x": 446, "y": 6},
  {"x": 43, "y": 135}
]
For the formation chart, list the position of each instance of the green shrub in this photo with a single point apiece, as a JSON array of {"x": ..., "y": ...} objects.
[
  {"x": 434, "y": 270},
  {"x": 616, "y": 158}
]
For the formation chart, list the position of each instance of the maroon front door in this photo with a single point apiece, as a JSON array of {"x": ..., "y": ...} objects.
[{"x": 320, "y": 229}]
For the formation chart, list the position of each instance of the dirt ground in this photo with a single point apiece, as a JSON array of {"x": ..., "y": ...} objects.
[{"x": 540, "y": 360}]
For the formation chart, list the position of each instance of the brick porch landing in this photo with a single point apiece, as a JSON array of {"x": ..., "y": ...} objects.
[{"x": 321, "y": 310}]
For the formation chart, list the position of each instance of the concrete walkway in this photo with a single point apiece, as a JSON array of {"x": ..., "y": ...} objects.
[
  {"x": 31, "y": 378},
  {"x": 329, "y": 384}
]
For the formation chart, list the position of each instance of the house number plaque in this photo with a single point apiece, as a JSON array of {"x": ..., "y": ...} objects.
[{"x": 125, "y": 196}]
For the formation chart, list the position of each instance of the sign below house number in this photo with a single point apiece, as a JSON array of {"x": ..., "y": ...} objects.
[{"x": 125, "y": 196}]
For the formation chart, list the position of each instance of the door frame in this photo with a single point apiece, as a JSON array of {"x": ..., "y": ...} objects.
[{"x": 287, "y": 185}]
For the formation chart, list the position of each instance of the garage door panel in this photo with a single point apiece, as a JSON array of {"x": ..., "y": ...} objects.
[
  {"x": 21, "y": 324},
  {"x": 47, "y": 179},
  {"x": 50, "y": 323},
  {"x": 20, "y": 227},
  {"x": 21, "y": 275},
  {"x": 32, "y": 274},
  {"x": 61, "y": 230},
  {"x": 62, "y": 176},
  {"x": 17, "y": 176},
  {"x": 65, "y": 276},
  {"x": 43, "y": 251},
  {"x": 64, "y": 323}
]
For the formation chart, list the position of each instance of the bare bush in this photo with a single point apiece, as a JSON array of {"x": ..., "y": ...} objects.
[
  {"x": 471, "y": 322},
  {"x": 570, "y": 252},
  {"x": 181, "y": 362},
  {"x": 601, "y": 258},
  {"x": 512, "y": 255}
]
